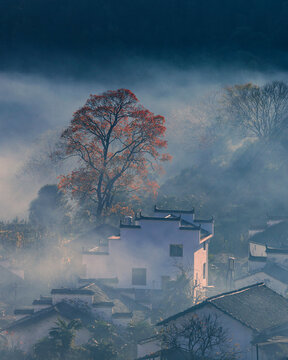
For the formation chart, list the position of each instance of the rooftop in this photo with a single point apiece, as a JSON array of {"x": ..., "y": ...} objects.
[
  {"x": 170, "y": 211},
  {"x": 272, "y": 250},
  {"x": 42, "y": 301},
  {"x": 166, "y": 218},
  {"x": 274, "y": 236},
  {"x": 72, "y": 291},
  {"x": 62, "y": 308},
  {"x": 247, "y": 305},
  {"x": 271, "y": 269}
]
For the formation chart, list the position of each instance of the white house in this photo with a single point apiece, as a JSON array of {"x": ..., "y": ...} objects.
[
  {"x": 244, "y": 313},
  {"x": 268, "y": 257},
  {"x": 150, "y": 250}
]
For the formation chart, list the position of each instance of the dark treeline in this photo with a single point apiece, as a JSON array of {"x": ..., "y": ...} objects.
[{"x": 249, "y": 31}]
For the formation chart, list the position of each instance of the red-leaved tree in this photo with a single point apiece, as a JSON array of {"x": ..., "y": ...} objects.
[{"x": 118, "y": 142}]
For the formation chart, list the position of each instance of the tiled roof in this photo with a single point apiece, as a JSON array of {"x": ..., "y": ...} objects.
[
  {"x": 122, "y": 315},
  {"x": 99, "y": 295},
  {"x": 170, "y": 211},
  {"x": 72, "y": 291},
  {"x": 131, "y": 226},
  {"x": 103, "y": 304},
  {"x": 274, "y": 236},
  {"x": 23, "y": 311},
  {"x": 204, "y": 221},
  {"x": 42, "y": 302},
  {"x": 272, "y": 250},
  {"x": 62, "y": 308},
  {"x": 255, "y": 306},
  {"x": 172, "y": 218}
]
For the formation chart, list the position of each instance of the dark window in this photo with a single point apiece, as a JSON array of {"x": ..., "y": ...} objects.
[
  {"x": 204, "y": 271},
  {"x": 139, "y": 276},
  {"x": 176, "y": 250},
  {"x": 204, "y": 245}
]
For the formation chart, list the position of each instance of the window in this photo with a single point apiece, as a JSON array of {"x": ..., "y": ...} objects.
[
  {"x": 204, "y": 271},
  {"x": 176, "y": 250},
  {"x": 139, "y": 276}
]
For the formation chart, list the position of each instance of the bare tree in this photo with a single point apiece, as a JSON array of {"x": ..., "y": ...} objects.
[
  {"x": 198, "y": 338},
  {"x": 261, "y": 111}
]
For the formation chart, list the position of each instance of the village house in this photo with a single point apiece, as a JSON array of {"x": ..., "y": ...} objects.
[
  {"x": 150, "y": 250},
  {"x": 268, "y": 256},
  {"x": 247, "y": 314},
  {"x": 87, "y": 303}
]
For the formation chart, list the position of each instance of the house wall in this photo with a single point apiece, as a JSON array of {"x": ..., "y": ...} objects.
[
  {"x": 148, "y": 347},
  {"x": 103, "y": 312},
  {"x": 124, "y": 322},
  {"x": 257, "y": 249},
  {"x": 201, "y": 258},
  {"x": 240, "y": 335},
  {"x": 255, "y": 265},
  {"x": 149, "y": 247},
  {"x": 99, "y": 266}
]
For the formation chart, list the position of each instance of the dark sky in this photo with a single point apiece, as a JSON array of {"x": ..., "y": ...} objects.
[
  {"x": 54, "y": 53},
  {"x": 75, "y": 37}
]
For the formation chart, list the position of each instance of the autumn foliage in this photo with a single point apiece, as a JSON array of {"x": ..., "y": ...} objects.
[{"x": 118, "y": 142}]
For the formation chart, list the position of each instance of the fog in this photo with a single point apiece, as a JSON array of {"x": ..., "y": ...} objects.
[{"x": 35, "y": 105}]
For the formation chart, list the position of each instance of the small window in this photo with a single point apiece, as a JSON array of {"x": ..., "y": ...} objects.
[
  {"x": 204, "y": 245},
  {"x": 176, "y": 250},
  {"x": 204, "y": 271},
  {"x": 139, "y": 276}
]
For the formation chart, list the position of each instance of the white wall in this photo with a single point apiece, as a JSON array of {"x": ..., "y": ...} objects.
[
  {"x": 240, "y": 335},
  {"x": 257, "y": 249},
  {"x": 149, "y": 247},
  {"x": 148, "y": 347}
]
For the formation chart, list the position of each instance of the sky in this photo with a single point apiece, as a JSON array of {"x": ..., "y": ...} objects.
[{"x": 169, "y": 53}]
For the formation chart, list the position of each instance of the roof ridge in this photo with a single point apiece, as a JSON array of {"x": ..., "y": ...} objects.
[
  {"x": 156, "y": 209},
  {"x": 238, "y": 291},
  {"x": 208, "y": 301}
]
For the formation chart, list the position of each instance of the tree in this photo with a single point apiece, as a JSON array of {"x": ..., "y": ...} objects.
[
  {"x": 260, "y": 111},
  {"x": 199, "y": 338},
  {"x": 60, "y": 341},
  {"x": 116, "y": 141},
  {"x": 178, "y": 294},
  {"x": 49, "y": 209}
]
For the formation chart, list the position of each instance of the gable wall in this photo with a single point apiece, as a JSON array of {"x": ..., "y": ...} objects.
[{"x": 240, "y": 335}]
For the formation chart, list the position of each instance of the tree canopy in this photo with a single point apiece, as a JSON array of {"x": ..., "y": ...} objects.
[{"x": 116, "y": 141}]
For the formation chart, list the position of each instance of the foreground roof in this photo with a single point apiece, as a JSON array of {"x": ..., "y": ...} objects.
[{"x": 256, "y": 306}]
